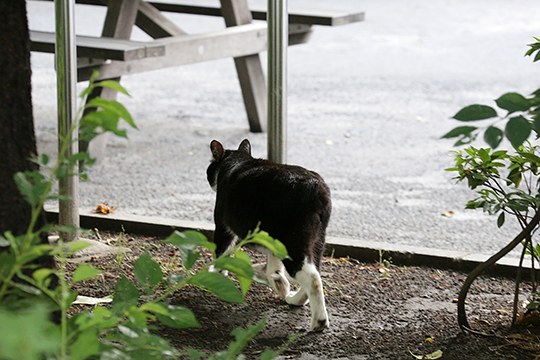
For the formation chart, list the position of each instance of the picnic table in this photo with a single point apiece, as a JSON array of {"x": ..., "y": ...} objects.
[{"x": 114, "y": 54}]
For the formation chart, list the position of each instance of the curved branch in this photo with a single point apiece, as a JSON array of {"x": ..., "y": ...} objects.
[{"x": 462, "y": 315}]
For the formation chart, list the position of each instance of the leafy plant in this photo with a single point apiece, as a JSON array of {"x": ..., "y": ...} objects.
[
  {"x": 506, "y": 183},
  {"x": 32, "y": 296}
]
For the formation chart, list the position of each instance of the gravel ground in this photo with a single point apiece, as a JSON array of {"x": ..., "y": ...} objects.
[
  {"x": 367, "y": 105},
  {"x": 376, "y": 310}
]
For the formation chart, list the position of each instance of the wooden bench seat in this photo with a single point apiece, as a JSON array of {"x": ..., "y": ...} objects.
[
  {"x": 129, "y": 56},
  {"x": 100, "y": 47}
]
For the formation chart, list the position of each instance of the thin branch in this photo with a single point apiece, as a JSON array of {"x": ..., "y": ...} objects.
[
  {"x": 462, "y": 314},
  {"x": 518, "y": 281}
]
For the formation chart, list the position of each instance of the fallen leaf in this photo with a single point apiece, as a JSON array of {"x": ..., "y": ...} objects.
[
  {"x": 104, "y": 209},
  {"x": 529, "y": 318},
  {"x": 88, "y": 300},
  {"x": 448, "y": 213},
  {"x": 434, "y": 355},
  {"x": 429, "y": 340}
]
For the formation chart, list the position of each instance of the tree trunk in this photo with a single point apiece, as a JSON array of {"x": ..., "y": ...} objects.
[{"x": 17, "y": 139}]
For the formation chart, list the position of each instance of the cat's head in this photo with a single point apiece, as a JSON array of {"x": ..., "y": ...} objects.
[{"x": 218, "y": 155}]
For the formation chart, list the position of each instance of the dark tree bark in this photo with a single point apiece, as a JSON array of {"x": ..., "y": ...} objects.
[{"x": 17, "y": 140}]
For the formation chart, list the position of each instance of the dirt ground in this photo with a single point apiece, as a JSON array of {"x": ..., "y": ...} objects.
[{"x": 377, "y": 311}]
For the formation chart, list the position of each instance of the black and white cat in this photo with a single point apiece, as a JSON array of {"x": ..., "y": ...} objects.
[{"x": 291, "y": 203}]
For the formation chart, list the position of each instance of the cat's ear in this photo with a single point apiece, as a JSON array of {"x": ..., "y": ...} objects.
[
  {"x": 245, "y": 146},
  {"x": 217, "y": 150}
]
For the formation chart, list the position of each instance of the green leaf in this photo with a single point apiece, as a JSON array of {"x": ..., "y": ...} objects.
[
  {"x": 70, "y": 248},
  {"x": 147, "y": 271},
  {"x": 500, "y": 220},
  {"x": 499, "y": 154},
  {"x": 189, "y": 258},
  {"x": 125, "y": 295},
  {"x": 493, "y": 136},
  {"x": 100, "y": 318},
  {"x": 483, "y": 154},
  {"x": 88, "y": 90},
  {"x": 33, "y": 186},
  {"x": 85, "y": 345},
  {"x": 26, "y": 288},
  {"x": 156, "y": 308},
  {"x": 219, "y": 285},
  {"x": 532, "y": 158},
  {"x": 113, "y": 85},
  {"x": 85, "y": 272},
  {"x": 459, "y": 131},
  {"x": 517, "y": 130},
  {"x": 240, "y": 264},
  {"x": 475, "y": 112},
  {"x": 44, "y": 159},
  {"x": 178, "y": 317},
  {"x": 513, "y": 102},
  {"x": 194, "y": 354},
  {"x": 34, "y": 252},
  {"x": 139, "y": 344},
  {"x": 137, "y": 317},
  {"x": 41, "y": 275},
  {"x": 7, "y": 262},
  {"x": 274, "y": 245},
  {"x": 114, "y": 107},
  {"x": 187, "y": 242},
  {"x": 106, "y": 120},
  {"x": 28, "y": 334},
  {"x": 515, "y": 176},
  {"x": 243, "y": 337}
]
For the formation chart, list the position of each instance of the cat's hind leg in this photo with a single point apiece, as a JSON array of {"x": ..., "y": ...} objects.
[
  {"x": 276, "y": 276},
  {"x": 259, "y": 273},
  {"x": 297, "y": 298},
  {"x": 311, "y": 285}
]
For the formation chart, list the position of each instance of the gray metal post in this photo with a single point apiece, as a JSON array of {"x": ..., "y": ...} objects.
[
  {"x": 278, "y": 41},
  {"x": 66, "y": 79}
]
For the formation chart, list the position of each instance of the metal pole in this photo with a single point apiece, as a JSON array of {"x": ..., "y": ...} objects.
[
  {"x": 66, "y": 79},
  {"x": 278, "y": 41}
]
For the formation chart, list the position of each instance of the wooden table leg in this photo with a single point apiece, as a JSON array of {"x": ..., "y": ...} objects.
[
  {"x": 154, "y": 23},
  {"x": 119, "y": 22},
  {"x": 248, "y": 68}
]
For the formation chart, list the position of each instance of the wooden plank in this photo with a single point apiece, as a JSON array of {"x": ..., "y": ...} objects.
[
  {"x": 99, "y": 48},
  {"x": 154, "y": 23},
  {"x": 120, "y": 18},
  {"x": 307, "y": 17},
  {"x": 188, "y": 49},
  {"x": 248, "y": 68}
]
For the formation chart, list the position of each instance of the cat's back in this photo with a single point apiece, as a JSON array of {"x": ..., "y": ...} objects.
[{"x": 278, "y": 182}]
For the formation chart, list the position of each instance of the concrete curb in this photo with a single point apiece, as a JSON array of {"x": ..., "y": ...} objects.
[{"x": 361, "y": 250}]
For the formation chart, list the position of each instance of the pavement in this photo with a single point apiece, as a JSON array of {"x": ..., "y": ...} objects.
[{"x": 367, "y": 102}]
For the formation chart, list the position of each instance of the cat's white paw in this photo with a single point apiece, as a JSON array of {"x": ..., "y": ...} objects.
[
  {"x": 297, "y": 298},
  {"x": 318, "y": 325}
]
